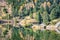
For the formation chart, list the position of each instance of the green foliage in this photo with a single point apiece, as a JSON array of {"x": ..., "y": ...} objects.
[
  {"x": 15, "y": 12},
  {"x": 25, "y": 12},
  {"x": 39, "y": 18},
  {"x": 45, "y": 17},
  {"x": 5, "y": 10},
  {"x": 31, "y": 12},
  {"x": 5, "y": 32},
  {"x": 53, "y": 35},
  {"x": 42, "y": 15},
  {"x": 41, "y": 9},
  {"x": 15, "y": 6},
  {"x": 53, "y": 6},
  {"x": 15, "y": 34},
  {"x": 26, "y": 31},
  {"x": 40, "y": 35},
  {"x": 52, "y": 10},
  {"x": 58, "y": 37},
  {"x": 10, "y": 16},
  {"x": 38, "y": 3},
  {"x": 55, "y": 13},
  {"x": 46, "y": 35},
  {"x": 34, "y": 9}
]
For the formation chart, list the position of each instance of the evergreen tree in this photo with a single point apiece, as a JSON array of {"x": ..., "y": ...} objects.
[
  {"x": 31, "y": 12},
  {"x": 41, "y": 9},
  {"x": 15, "y": 4},
  {"x": 37, "y": 35},
  {"x": 55, "y": 13},
  {"x": 15, "y": 34},
  {"x": 52, "y": 35},
  {"x": 39, "y": 18},
  {"x": 45, "y": 17},
  {"x": 53, "y": 5},
  {"x": 34, "y": 9},
  {"x": 25, "y": 12},
  {"x": 47, "y": 8}
]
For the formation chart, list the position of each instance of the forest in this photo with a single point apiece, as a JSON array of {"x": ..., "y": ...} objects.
[{"x": 43, "y": 11}]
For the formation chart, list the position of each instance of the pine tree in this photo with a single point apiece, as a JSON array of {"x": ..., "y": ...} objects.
[
  {"x": 45, "y": 17},
  {"x": 38, "y": 17},
  {"x": 54, "y": 4},
  {"x": 41, "y": 9},
  {"x": 52, "y": 35},
  {"x": 15, "y": 4},
  {"x": 55, "y": 13},
  {"x": 31, "y": 12},
  {"x": 15, "y": 34}
]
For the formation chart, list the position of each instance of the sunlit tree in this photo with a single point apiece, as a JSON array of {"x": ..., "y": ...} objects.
[
  {"x": 15, "y": 4},
  {"x": 45, "y": 17}
]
